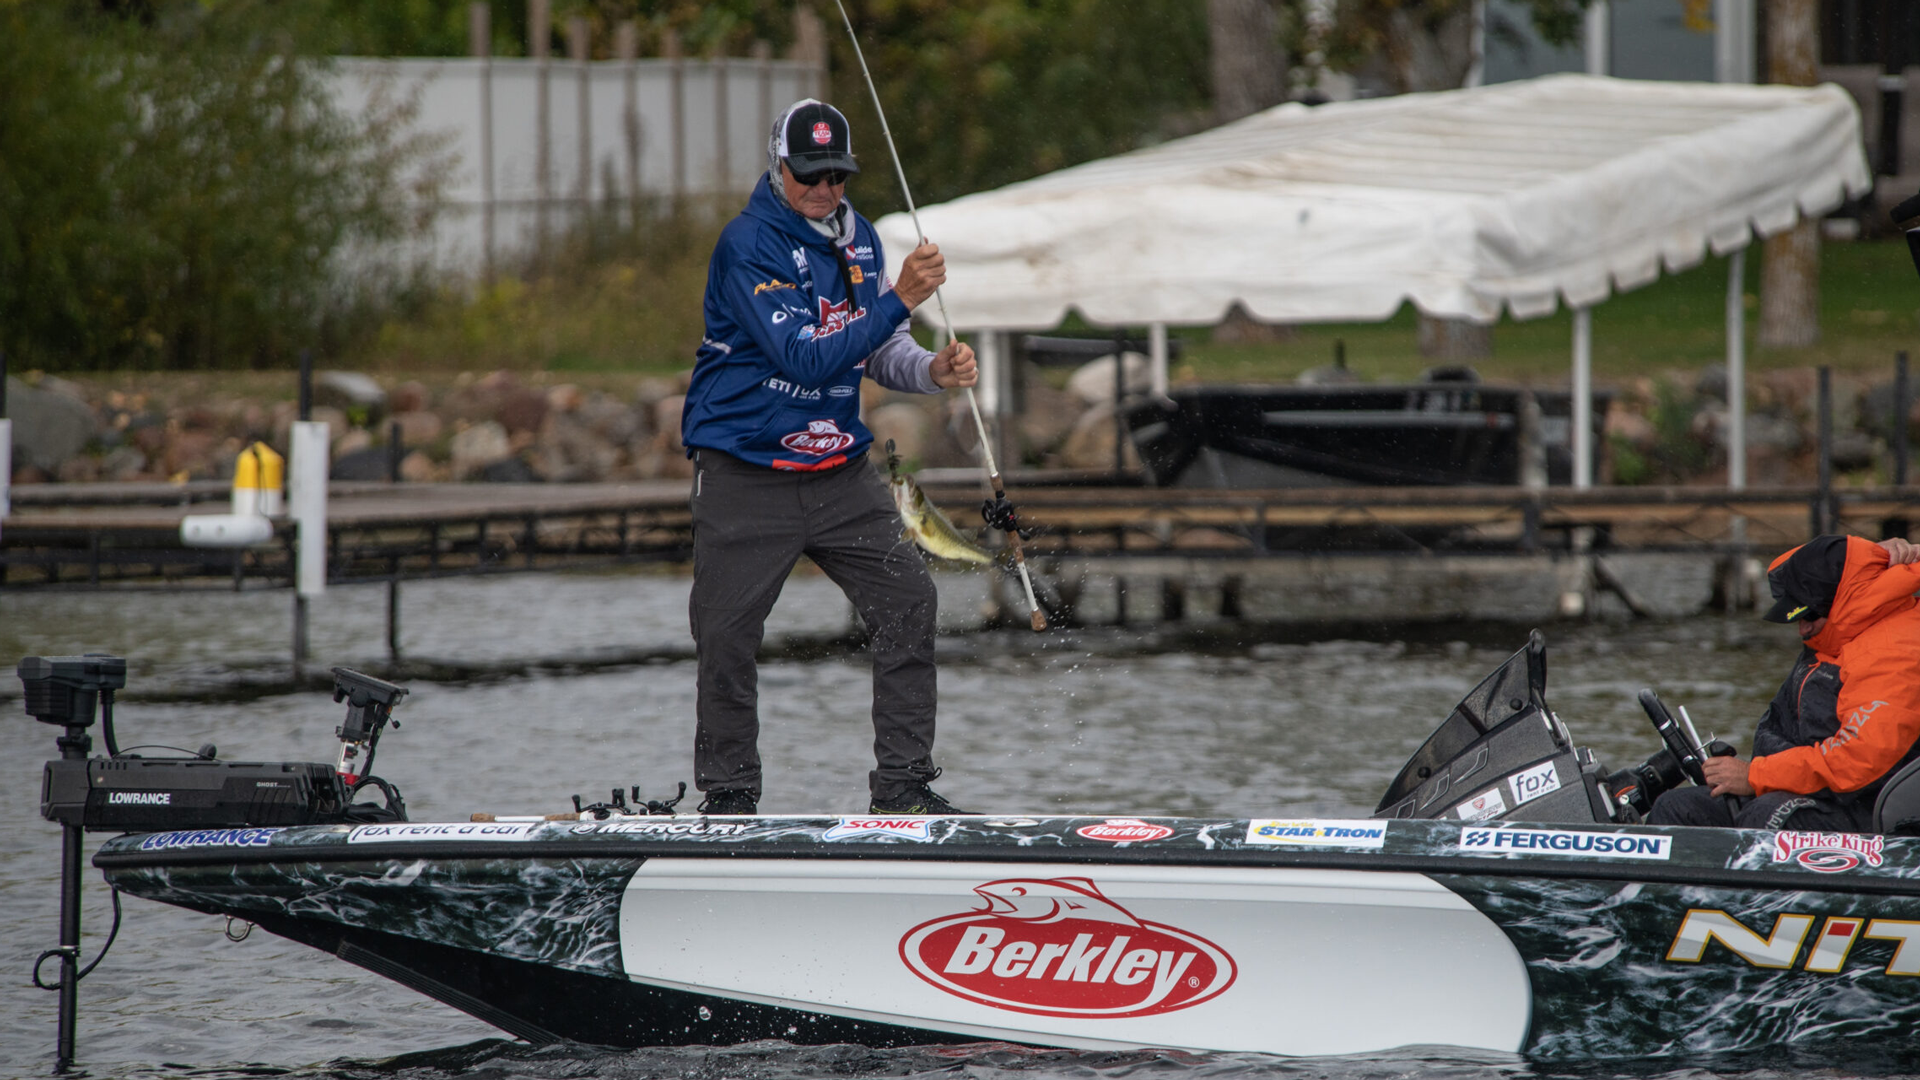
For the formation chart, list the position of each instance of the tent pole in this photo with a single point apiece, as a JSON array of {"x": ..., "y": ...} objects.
[
  {"x": 1582, "y": 419},
  {"x": 1157, "y": 354},
  {"x": 1598, "y": 38},
  {"x": 1737, "y": 370}
]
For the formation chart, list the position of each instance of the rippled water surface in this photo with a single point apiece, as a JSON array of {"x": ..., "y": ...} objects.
[{"x": 1089, "y": 721}]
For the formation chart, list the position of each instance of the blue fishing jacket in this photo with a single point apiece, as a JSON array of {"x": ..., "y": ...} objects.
[{"x": 777, "y": 379}]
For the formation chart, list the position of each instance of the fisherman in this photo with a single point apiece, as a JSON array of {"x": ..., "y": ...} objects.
[
  {"x": 798, "y": 307},
  {"x": 1853, "y": 602}
]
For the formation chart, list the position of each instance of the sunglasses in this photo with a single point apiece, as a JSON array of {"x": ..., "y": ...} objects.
[{"x": 831, "y": 176}]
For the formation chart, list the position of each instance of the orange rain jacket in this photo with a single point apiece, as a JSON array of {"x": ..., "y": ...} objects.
[{"x": 1873, "y": 637}]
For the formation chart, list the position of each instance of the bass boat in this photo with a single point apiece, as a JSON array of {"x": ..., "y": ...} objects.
[{"x": 1503, "y": 897}]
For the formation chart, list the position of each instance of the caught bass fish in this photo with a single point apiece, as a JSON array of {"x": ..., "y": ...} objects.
[{"x": 926, "y": 526}]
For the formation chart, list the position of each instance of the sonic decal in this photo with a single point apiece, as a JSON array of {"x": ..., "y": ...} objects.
[
  {"x": 1057, "y": 947},
  {"x": 1781, "y": 946}
]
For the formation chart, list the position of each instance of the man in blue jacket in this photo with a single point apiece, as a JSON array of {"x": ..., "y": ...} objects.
[{"x": 798, "y": 308}]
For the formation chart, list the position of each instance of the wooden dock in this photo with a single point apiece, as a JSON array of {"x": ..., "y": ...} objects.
[{"x": 107, "y": 535}]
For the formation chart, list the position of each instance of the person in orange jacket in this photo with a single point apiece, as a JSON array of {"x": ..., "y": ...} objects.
[{"x": 1847, "y": 717}]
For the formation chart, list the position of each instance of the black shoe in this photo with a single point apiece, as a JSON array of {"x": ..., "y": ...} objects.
[
  {"x": 735, "y": 802},
  {"x": 918, "y": 799}
]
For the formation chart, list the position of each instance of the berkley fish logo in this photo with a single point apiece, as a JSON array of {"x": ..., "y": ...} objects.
[
  {"x": 821, "y": 437},
  {"x": 1827, "y": 852},
  {"x": 833, "y": 319},
  {"x": 1124, "y": 831},
  {"x": 1057, "y": 947}
]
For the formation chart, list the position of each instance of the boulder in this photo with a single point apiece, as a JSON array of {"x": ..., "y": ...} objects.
[
  {"x": 1048, "y": 416},
  {"x": 476, "y": 447},
  {"x": 417, "y": 468},
  {"x": 410, "y": 396},
  {"x": 1092, "y": 382},
  {"x": 49, "y": 427},
  {"x": 357, "y": 396},
  {"x": 354, "y": 441},
  {"x": 122, "y": 463},
  {"x": 1090, "y": 444},
  {"x": 418, "y": 428},
  {"x": 570, "y": 451},
  {"x": 907, "y": 424}
]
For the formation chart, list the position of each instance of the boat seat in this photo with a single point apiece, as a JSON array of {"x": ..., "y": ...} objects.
[{"x": 1897, "y": 810}]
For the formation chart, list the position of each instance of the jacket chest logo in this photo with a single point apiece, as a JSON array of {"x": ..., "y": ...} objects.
[{"x": 821, "y": 437}]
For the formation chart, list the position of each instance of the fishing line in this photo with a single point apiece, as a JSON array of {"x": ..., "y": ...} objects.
[{"x": 1038, "y": 618}]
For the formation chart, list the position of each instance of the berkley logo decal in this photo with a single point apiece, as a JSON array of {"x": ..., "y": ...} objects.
[
  {"x": 1827, "y": 852},
  {"x": 1124, "y": 831},
  {"x": 821, "y": 437},
  {"x": 1057, "y": 947},
  {"x": 833, "y": 319},
  {"x": 907, "y": 828}
]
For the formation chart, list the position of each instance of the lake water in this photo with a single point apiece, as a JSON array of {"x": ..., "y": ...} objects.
[{"x": 1245, "y": 723}]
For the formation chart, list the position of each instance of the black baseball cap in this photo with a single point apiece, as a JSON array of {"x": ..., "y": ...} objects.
[
  {"x": 813, "y": 136},
  {"x": 1805, "y": 580}
]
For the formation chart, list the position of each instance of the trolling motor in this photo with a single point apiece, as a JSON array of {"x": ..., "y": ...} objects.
[{"x": 128, "y": 792}]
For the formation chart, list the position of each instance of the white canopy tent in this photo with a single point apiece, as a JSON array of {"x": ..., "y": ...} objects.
[{"x": 1514, "y": 197}]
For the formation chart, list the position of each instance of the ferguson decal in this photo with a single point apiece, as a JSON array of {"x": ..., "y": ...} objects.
[{"x": 1057, "y": 947}]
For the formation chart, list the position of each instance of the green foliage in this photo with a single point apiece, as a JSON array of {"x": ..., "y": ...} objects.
[
  {"x": 176, "y": 191},
  {"x": 986, "y": 93}
]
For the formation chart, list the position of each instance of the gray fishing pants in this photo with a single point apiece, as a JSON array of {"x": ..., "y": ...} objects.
[
  {"x": 1774, "y": 810},
  {"x": 750, "y": 525}
]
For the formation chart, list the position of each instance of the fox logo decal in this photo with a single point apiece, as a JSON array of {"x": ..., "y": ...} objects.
[{"x": 1057, "y": 947}]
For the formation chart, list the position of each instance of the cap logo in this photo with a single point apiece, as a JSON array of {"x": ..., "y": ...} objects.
[
  {"x": 1795, "y": 613},
  {"x": 822, "y": 133}
]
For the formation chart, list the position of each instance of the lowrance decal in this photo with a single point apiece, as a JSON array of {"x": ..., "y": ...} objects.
[
  {"x": 1124, "y": 831},
  {"x": 1482, "y": 806},
  {"x": 902, "y": 828},
  {"x": 408, "y": 832},
  {"x": 1058, "y": 947},
  {"x": 140, "y": 798},
  {"x": 1529, "y": 784},
  {"x": 1602, "y": 845},
  {"x": 1317, "y": 832},
  {"x": 207, "y": 838}
]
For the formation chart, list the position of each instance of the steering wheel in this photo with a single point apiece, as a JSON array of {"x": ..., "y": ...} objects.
[{"x": 1675, "y": 737}]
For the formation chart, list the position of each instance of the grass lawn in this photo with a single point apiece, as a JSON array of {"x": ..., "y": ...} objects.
[{"x": 1870, "y": 307}]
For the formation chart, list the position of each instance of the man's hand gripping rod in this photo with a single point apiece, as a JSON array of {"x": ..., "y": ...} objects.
[{"x": 1038, "y": 618}]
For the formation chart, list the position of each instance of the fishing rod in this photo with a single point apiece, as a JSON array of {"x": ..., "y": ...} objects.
[{"x": 1038, "y": 619}]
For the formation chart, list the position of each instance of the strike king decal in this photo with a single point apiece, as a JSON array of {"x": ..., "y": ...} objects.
[
  {"x": 1828, "y": 852},
  {"x": 1317, "y": 833},
  {"x": 1057, "y": 947},
  {"x": 833, "y": 318},
  {"x": 1600, "y": 845},
  {"x": 1780, "y": 948},
  {"x": 207, "y": 838},
  {"x": 904, "y": 828},
  {"x": 1124, "y": 831},
  {"x": 821, "y": 437}
]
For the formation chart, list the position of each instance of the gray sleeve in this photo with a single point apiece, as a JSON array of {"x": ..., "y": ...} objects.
[{"x": 901, "y": 364}]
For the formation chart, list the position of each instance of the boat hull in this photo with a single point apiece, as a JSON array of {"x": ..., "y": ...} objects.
[{"x": 1289, "y": 937}]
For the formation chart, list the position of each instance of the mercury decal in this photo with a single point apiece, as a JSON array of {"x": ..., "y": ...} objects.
[
  {"x": 1124, "y": 831},
  {"x": 1057, "y": 947}
]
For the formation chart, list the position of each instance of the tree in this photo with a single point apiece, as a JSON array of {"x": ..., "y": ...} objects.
[
  {"x": 1790, "y": 262},
  {"x": 1249, "y": 68}
]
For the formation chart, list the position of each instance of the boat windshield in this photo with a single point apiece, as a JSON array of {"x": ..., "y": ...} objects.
[{"x": 1515, "y": 688}]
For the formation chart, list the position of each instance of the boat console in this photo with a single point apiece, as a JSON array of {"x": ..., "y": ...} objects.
[{"x": 1503, "y": 755}]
